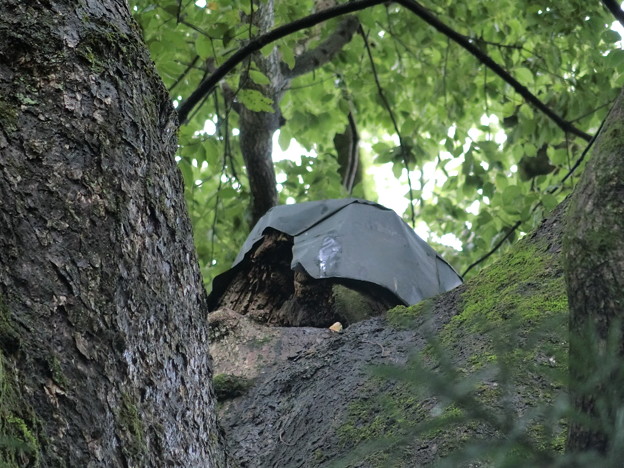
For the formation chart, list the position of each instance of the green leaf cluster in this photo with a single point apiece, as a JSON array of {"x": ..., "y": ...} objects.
[{"x": 480, "y": 158}]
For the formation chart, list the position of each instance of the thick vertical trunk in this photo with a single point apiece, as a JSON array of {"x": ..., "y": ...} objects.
[
  {"x": 257, "y": 128},
  {"x": 103, "y": 330},
  {"x": 594, "y": 264}
]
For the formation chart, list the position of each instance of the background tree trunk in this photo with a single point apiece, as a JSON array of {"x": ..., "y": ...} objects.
[
  {"x": 257, "y": 128},
  {"x": 594, "y": 264},
  {"x": 103, "y": 319}
]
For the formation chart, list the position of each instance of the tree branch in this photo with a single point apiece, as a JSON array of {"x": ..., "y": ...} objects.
[
  {"x": 324, "y": 52},
  {"x": 463, "y": 41},
  {"x": 512, "y": 229},
  {"x": 615, "y": 9},
  {"x": 207, "y": 86},
  {"x": 184, "y": 73}
]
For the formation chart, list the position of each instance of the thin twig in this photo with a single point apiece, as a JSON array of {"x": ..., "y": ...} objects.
[
  {"x": 383, "y": 351},
  {"x": 550, "y": 191},
  {"x": 583, "y": 154},
  {"x": 179, "y": 20},
  {"x": 446, "y": 55},
  {"x": 184, "y": 73},
  {"x": 494, "y": 249},
  {"x": 394, "y": 123},
  {"x": 226, "y": 149},
  {"x": 582, "y": 116},
  {"x": 395, "y": 42},
  {"x": 281, "y": 438}
]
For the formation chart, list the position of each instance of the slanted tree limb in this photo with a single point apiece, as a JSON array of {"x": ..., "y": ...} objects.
[
  {"x": 325, "y": 51},
  {"x": 208, "y": 85},
  {"x": 485, "y": 59},
  {"x": 615, "y": 9}
]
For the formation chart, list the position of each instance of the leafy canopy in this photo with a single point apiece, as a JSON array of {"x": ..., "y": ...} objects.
[{"x": 480, "y": 159}]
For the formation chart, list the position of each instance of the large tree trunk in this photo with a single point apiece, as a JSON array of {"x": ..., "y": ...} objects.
[
  {"x": 594, "y": 263},
  {"x": 103, "y": 322}
]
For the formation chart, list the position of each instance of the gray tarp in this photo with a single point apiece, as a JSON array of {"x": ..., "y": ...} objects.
[{"x": 355, "y": 239}]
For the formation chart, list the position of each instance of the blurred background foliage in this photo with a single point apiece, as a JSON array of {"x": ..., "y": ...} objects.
[{"x": 481, "y": 160}]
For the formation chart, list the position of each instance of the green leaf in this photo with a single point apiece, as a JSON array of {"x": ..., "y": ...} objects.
[
  {"x": 259, "y": 77},
  {"x": 203, "y": 47},
  {"x": 288, "y": 56},
  {"x": 523, "y": 75},
  {"x": 187, "y": 172},
  {"x": 615, "y": 58},
  {"x": 611, "y": 36},
  {"x": 228, "y": 192},
  {"x": 549, "y": 201},
  {"x": 267, "y": 49},
  {"x": 511, "y": 195}
]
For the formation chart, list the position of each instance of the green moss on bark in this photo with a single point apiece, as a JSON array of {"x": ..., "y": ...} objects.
[
  {"x": 132, "y": 426},
  {"x": 8, "y": 116},
  {"x": 228, "y": 386},
  {"x": 9, "y": 338},
  {"x": 525, "y": 284},
  {"x": 19, "y": 442},
  {"x": 403, "y": 317},
  {"x": 54, "y": 365},
  {"x": 510, "y": 331}
]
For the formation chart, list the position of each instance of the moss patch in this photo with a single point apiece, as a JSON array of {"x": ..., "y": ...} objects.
[
  {"x": 9, "y": 338},
  {"x": 350, "y": 304},
  {"x": 387, "y": 428},
  {"x": 132, "y": 426},
  {"x": 515, "y": 310},
  {"x": 525, "y": 284},
  {"x": 501, "y": 356},
  {"x": 375, "y": 424},
  {"x": 54, "y": 366},
  {"x": 8, "y": 116},
  {"x": 403, "y": 317},
  {"x": 228, "y": 386},
  {"x": 19, "y": 444}
]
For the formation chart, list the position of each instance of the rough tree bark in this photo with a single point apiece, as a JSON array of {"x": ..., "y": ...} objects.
[
  {"x": 103, "y": 329},
  {"x": 594, "y": 264},
  {"x": 257, "y": 128}
]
